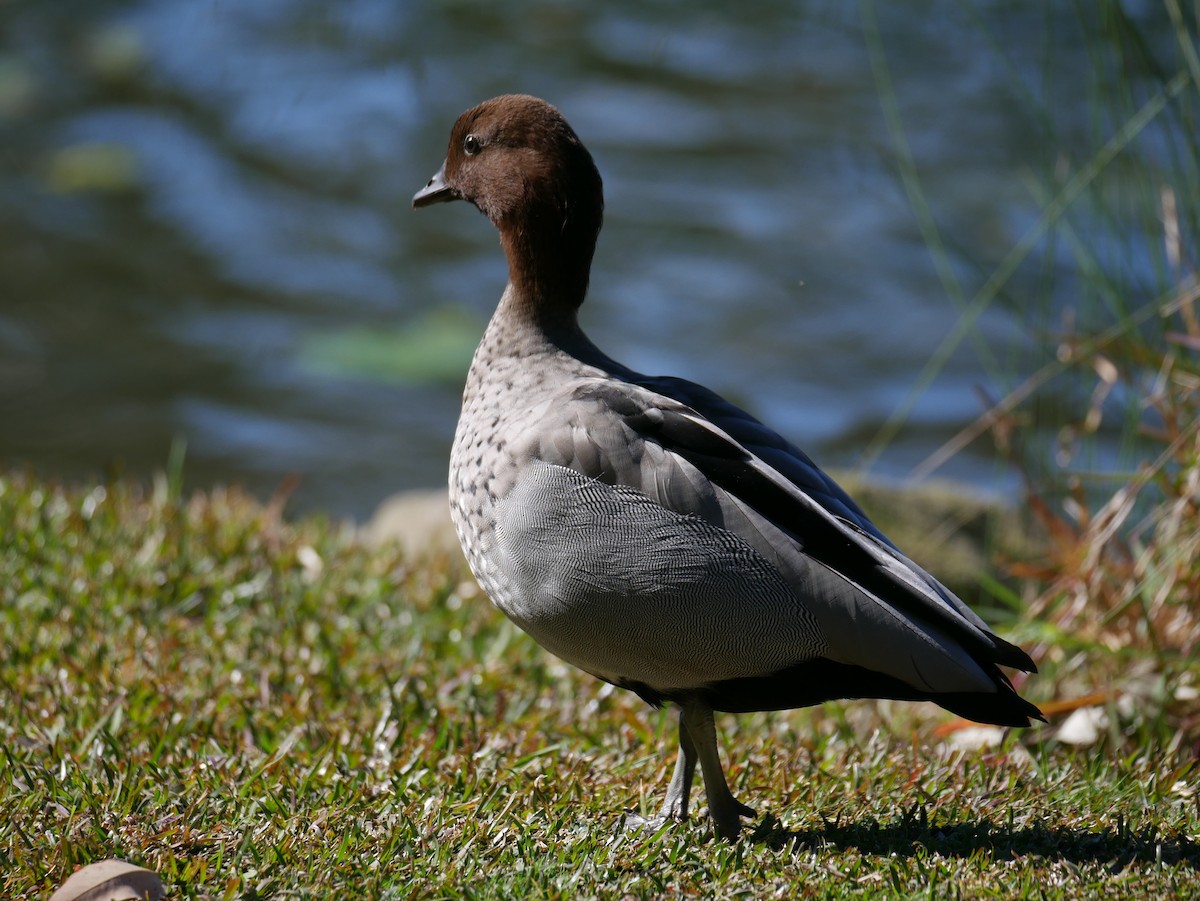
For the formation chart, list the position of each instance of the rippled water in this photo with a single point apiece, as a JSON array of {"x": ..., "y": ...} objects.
[{"x": 206, "y": 228}]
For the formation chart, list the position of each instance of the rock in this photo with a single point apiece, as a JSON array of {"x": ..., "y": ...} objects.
[
  {"x": 111, "y": 880},
  {"x": 972, "y": 738},
  {"x": 1083, "y": 727},
  {"x": 418, "y": 520}
]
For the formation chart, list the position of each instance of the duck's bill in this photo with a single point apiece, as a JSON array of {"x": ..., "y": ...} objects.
[{"x": 436, "y": 191}]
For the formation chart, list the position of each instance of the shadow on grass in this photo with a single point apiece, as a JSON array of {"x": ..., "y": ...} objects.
[{"x": 1117, "y": 848}]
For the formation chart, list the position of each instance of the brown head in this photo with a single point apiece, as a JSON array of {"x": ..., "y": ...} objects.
[{"x": 517, "y": 160}]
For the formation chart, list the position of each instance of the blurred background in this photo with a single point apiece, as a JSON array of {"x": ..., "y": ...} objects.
[{"x": 206, "y": 239}]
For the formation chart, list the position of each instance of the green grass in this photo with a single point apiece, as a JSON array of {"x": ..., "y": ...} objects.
[{"x": 260, "y": 708}]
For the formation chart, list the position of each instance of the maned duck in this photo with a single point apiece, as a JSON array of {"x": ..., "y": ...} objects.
[{"x": 648, "y": 531}]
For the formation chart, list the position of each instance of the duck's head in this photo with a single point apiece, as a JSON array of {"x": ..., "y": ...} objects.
[{"x": 519, "y": 162}]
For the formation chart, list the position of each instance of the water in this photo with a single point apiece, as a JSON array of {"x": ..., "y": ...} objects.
[{"x": 205, "y": 223}]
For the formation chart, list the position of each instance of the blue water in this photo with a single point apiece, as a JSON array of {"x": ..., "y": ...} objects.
[{"x": 758, "y": 237}]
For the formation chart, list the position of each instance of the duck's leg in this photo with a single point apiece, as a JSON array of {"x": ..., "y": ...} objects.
[
  {"x": 696, "y": 718},
  {"x": 675, "y": 807}
]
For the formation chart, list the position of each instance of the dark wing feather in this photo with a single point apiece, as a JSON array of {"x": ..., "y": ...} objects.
[{"x": 766, "y": 444}]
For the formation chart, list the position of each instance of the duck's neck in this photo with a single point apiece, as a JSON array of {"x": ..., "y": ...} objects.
[
  {"x": 549, "y": 251},
  {"x": 549, "y": 275},
  {"x": 538, "y": 312}
]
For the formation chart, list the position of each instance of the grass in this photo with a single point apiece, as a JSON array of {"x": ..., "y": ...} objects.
[{"x": 260, "y": 708}]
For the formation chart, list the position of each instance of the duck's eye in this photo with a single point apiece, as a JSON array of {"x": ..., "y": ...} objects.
[{"x": 472, "y": 145}]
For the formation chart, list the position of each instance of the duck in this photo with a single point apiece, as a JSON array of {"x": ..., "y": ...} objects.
[{"x": 648, "y": 531}]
